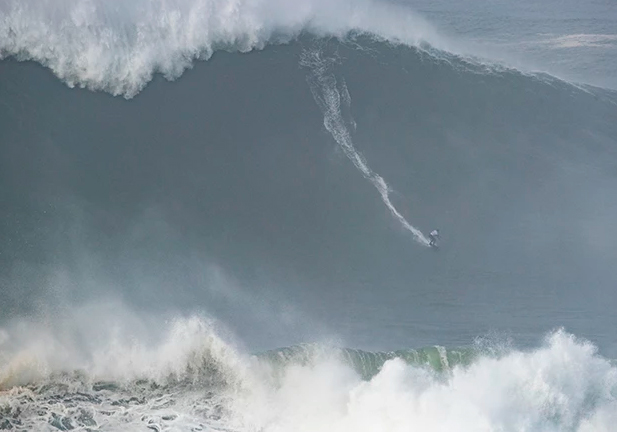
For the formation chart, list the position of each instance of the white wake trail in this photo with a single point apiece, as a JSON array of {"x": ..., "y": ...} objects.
[{"x": 326, "y": 92}]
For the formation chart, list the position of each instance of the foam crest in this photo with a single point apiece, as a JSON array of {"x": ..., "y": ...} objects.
[
  {"x": 105, "y": 369},
  {"x": 563, "y": 385},
  {"x": 117, "y": 46},
  {"x": 117, "y": 348},
  {"x": 192, "y": 378}
]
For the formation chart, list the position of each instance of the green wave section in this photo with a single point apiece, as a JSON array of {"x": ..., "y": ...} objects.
[{"x": 367, "y": 363}]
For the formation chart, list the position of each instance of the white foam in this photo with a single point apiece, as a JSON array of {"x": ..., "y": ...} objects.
[
  {"x": 562, "y": 386},
  {"x": 116, "y": 45},
  {"x": 582, "y": 40},
  {"x": 328, "y": 96},
  {"x": 48, "y": 367},
  {"x": 110, "y": 342}
]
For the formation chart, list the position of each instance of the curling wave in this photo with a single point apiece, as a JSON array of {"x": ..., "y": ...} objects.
[{"x": 116, "y": 46}]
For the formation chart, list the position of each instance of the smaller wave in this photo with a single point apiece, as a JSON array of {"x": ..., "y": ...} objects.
[
  {"x": 189, "y": 351},
  {"x": 179, "y": 381},
  {"x": 562, "y": 386},
  {"x": 191, "y": 379}
]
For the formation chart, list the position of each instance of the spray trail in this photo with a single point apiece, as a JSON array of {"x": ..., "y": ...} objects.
[{"x": 329, "y": 94}]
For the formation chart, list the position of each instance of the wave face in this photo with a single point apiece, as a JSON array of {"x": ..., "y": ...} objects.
[
  {"x": 312, "y": 189},
  {"x": 193, "y": 380}
]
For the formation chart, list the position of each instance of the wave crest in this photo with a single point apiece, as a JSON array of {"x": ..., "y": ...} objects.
[
  {"x": 117, "y": 46},
  {"x": 189, "y": 352},
  {"x": 563, "y": 385}
]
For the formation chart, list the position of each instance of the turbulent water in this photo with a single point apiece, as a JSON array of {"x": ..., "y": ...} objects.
[
  {"x": 214, "y": 216},
  {"x": 192, "y": 380}
]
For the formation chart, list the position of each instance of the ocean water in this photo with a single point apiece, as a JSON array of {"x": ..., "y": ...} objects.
[{"x": 214, "y": 215}]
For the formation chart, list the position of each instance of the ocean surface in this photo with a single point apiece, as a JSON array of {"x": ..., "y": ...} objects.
[{"x": 214, "y": 215}]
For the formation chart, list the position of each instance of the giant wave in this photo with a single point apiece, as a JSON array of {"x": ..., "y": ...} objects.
[{"x": 486, "y": 152}]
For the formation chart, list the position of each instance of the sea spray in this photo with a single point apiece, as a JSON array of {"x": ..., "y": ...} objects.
[{"x": 563, "y": 385}]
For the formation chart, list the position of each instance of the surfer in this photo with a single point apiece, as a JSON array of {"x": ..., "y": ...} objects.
[{"x": 433, "y": 236}]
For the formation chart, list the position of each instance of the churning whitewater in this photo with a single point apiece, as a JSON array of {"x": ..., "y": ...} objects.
[
  {"x": 116, "y": 46},
  {"x": 192, "y": 379}
]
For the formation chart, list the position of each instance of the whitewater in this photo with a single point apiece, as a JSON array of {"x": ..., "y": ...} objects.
[
  {"x": 192, "y": 379},
  {"x": 213, "y": 216},
  {"x": 117, "y": 47}
]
